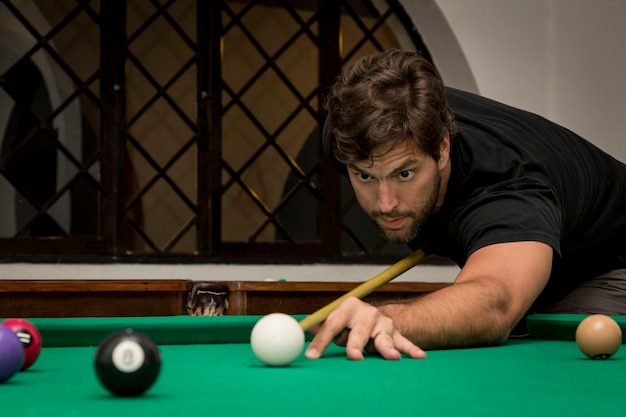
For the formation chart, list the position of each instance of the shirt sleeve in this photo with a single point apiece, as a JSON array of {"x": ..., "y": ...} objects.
[{"x": 522, "y": 209}]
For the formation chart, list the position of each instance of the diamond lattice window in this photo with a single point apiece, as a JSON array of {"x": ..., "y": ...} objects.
[{"x": 180, "y": 129}]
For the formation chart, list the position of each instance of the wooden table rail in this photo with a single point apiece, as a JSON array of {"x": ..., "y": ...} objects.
[{"x": 130, "y": 298}]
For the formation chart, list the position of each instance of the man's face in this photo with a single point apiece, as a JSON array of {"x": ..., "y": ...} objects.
[{"x": 401, "y": 189}]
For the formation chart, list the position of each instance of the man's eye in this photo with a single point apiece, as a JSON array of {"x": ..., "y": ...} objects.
[
  {"x": 405, "y": 175},
  {"x": 364, "y": 177}
]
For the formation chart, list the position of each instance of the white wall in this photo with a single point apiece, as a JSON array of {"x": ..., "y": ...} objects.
[
  {"x": 563, "y": 59},
  {"x": 221, "y": 272}
]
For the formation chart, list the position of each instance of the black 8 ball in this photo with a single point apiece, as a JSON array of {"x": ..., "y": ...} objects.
[{"x": 127, "y": 362}]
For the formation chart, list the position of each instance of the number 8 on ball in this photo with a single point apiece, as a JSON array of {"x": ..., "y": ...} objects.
[{"x": 127, "y": 362}]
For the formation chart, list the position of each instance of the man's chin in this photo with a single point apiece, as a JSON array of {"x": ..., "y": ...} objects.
[{"x": 397, "y": 237}]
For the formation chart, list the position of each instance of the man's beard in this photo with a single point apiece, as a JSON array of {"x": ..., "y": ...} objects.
[{"x": 418, "y": 219}]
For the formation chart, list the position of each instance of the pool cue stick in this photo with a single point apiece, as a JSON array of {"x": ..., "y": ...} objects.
[{"x": 366, "y": 288}]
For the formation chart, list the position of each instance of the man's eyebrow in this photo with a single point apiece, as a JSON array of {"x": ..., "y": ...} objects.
[{"x": 408, "y": 164}]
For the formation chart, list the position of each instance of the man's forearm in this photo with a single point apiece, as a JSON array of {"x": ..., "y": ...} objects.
[{"x": 462, "y": 315}]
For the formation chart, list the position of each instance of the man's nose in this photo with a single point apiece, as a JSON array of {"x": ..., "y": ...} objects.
[{"x": 387, "y": 198}]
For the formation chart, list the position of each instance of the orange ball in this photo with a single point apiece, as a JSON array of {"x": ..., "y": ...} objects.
[{"x": 598, "y": 336}]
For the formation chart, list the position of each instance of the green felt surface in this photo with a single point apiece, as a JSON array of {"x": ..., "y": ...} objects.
[
  {"x": 562, "y": 326},
  {"x": 520, "y": 378},
  {"x": 180, "y": 330}
]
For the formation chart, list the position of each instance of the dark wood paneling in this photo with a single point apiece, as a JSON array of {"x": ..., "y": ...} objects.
[
  {"x": 93, "y": 298},
  {"x": 128, "y": 298},
  {"x": 260, "y": 298}
]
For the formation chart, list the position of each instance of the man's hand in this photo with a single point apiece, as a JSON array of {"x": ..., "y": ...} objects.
[{"x": 360, "y": 326}]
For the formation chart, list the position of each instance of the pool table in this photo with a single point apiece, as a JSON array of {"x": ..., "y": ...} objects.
[{"x": 209, "y": 370}]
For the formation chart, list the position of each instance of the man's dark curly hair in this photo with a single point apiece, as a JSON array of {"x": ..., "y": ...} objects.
[{"x": 383, "y": 99}]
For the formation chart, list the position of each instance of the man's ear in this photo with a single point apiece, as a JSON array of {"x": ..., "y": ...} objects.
[{"x": 444, "y": 150}]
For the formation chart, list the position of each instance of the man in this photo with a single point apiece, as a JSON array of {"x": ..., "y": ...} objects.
[{"x": 534, "y": 215}]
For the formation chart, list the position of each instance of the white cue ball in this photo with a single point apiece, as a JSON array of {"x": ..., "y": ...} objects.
[
  {"x": 277, "y": 339},
  {"x": 598, "y": 336}
]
